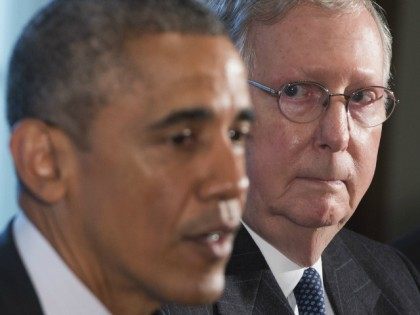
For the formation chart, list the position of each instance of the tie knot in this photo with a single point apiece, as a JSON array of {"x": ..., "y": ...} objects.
[{"x": 309, "y": 293}]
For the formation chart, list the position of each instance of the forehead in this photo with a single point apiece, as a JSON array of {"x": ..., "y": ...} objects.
[
  {"x": 184, "y": 69},
  {"x": 311, "y": 40},
  {"x": 165, "y": 47}
]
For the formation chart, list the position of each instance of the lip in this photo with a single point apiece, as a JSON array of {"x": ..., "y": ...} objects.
[
  {"x": 214, "y": 243},
  {"x": 326, "y": 181}
]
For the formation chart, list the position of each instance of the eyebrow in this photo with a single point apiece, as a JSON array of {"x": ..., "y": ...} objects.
[
  {"x": 246, "y": 114},
  {"x": 177, "y": 117},
  {"x": 197, "y": 114}
]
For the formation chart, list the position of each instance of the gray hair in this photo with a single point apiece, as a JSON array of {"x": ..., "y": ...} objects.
[
  {"x": 59, "y": 63},
  {"x": 239, "y": 15}
]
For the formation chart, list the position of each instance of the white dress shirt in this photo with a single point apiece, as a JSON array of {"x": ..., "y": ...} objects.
[
  {"x": 286, "y": 272},
  {"x": 59, "y": 290}
]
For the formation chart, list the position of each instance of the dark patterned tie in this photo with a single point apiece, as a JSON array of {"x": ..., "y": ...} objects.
[{"x": 309, "y": 294}]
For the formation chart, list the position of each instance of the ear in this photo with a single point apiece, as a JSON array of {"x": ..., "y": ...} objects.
[{"x": 33, "y": 148}]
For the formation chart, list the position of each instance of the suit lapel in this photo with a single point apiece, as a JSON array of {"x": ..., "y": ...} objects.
[
  {"x": 250, "y": 285},
  {"x": 359, "y": 277},
  {"x": 17, "y": 293},
  {"x": 270, "y": 299},
  {"x": 349, "y": 287}
]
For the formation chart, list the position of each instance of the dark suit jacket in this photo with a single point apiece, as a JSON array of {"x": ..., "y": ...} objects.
[
  {"x": 17, "y": 295},
  {"x": 360, "y": 277},
  {"x": 409, "y": 245}
]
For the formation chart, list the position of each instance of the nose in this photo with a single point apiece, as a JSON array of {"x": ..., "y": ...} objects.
[
  {"x": 334, "y": 126},
  {"x": 225, "y": 176}
]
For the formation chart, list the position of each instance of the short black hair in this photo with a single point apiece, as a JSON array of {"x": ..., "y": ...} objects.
[{"x": 70, "y": 45}]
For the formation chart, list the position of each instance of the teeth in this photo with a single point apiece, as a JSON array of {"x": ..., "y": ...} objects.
[{"x": 213, "y": 237}]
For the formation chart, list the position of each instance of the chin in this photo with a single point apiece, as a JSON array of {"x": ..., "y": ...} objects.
[
  {"x": 317, "y": 222},
  {"x": 197, "y": 291},
  {"x": 320, "y": 216}
]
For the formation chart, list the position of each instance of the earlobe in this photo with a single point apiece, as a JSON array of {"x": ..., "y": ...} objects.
[{"x": 35, "y": 159}]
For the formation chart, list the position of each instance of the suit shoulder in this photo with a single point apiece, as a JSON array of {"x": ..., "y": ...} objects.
[
  {"x": 376, "y": 255},
  {"x": 409, "y": 245},
  {"x": 356, "y": 239},
  {"x": 361, "y": 245}
]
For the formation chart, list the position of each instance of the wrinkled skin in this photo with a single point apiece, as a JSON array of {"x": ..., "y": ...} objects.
[{"x": 306, "y": 180}]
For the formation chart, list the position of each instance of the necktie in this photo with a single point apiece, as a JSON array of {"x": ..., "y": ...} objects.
[{"x": 309, "y": 294}]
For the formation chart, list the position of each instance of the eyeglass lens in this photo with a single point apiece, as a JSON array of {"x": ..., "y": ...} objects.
[{"x": 305, "y": 102}]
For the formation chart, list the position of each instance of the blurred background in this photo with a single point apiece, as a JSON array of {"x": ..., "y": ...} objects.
[
  {"x": 391, "y": 206},
  {"x": 13, "y": 16}
]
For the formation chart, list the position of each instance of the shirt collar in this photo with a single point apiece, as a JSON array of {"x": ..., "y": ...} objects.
[
  {"x": 59, "y": 290},
  {"x": 286, "y": 272}
]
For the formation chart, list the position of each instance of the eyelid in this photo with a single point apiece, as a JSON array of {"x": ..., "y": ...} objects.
[
  {"x": 243, "y": 130},
  {"x": 245, "y": 127},
  {"x": 303, "y": 82},
  {"x": 185, "y": 133},
  {"x": 372, "y": 89}
]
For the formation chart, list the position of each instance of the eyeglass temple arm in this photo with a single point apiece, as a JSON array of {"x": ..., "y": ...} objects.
[{"x": 264, "y": 88}]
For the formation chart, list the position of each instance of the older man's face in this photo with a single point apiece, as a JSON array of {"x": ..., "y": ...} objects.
[
  {"x": 159, "y": 192},
  {"x": 307, "y": 177}
]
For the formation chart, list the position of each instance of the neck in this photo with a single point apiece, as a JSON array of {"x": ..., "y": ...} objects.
[
  {"x": 104, "y": 282},
  {"x": 304, "y": 251},
  {"x": 302, "y": 245},
  {"x": 128, "y": 302}
]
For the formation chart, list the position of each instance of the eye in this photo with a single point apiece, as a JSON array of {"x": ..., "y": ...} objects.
[
  {"x": 183, "y": 138},
  {"x": 294, "y": 90},
  {"x": 240, "y": 134},
  {"x": 364, "y": 97},
  {"x": 303, "y": 92}
]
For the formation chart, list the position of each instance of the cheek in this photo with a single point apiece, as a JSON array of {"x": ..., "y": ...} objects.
[
  {"x": 163, "y": 196},
  {"x": 275, "y": 149},
  {"x": 139, "y": 216},
  {"x": 365, "y": 156},
  {"x": 128, "y": 191}
]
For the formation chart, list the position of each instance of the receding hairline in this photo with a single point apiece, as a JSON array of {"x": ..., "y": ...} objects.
[{"x": 241, "y": 16}]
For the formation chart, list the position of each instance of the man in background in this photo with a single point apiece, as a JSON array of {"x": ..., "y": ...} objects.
[
  {"x": 319, "y": 73},
  {"x": 128, "y": 125}
]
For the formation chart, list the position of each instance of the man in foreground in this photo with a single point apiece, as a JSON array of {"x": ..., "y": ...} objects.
[
  {"x": 319, "y": 73},
  {"x": 128, "y": 124}
]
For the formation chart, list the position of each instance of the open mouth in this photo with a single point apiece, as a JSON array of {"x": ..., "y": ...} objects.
[
  {"x": 213, "y": 237},
  {"x": 213, "y": 245}
]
